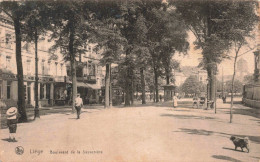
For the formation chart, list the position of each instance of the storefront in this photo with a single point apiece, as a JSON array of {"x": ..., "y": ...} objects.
[{"x": 62, "y": 91}]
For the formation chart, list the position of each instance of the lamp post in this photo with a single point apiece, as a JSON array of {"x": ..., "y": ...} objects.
[{"x": 257, "y": 61}]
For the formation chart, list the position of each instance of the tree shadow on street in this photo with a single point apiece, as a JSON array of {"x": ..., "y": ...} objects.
[
  {"x": 253, "y": 139},
  {"x": 196, "y": 131},
  {"x": 245, "y": 111},
  {"x": 183, "y": 110},
  {"x": 222, "y": 157},
  {"x": 187, "y": 116}
]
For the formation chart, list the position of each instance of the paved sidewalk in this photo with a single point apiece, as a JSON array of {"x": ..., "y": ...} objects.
[{"x": 145, "y": 133}]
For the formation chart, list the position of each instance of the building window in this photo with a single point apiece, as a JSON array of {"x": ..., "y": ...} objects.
[
  {"x": 8, "y": 40},
  {"x": 8, "y": 89},
  {"x": 61, "y": 69},
  {"x": 43, "y": 70},
  {"x": 28, "y": 67},
  {"x": 49, "y": 68},
  {"x": 8, "y": 62},
  {"x": 41, "y": 90},
  {"x": 56, "y": 68},
  {"x": 92, "y": 69}
]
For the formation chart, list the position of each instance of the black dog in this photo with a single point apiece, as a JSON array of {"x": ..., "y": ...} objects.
[{"x": 240, "y": 142}]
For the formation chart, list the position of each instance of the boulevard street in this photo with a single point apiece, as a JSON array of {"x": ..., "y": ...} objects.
[{"x": 155, "y": 132}]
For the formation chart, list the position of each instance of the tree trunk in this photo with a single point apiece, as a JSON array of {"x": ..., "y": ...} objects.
[
  {"x": 36, "y": 109},
  {"x": 127, "y": 85},
  {"x": 107, "y": 85},
  {"x": 143, "y": 85},
  {"x": 167, "y": 73},
  {"x": 72, "y": 62},
  {"x": 212, "y": 85},
  {"x": 21, "y": 94},
  {"x": 132, "y": 88},
  {"x": 232, "y": 85},
  {"x": 156, "y": 85}
]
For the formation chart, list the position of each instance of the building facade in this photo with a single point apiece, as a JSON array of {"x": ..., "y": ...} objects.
[{"x": 54, "y": 78}]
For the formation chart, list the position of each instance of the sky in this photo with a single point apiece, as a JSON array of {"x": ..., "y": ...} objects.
[{"x": 194, "y": 56}]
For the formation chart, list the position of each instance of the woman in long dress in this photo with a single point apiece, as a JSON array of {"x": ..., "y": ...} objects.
[{"x": 175, "y": 101}]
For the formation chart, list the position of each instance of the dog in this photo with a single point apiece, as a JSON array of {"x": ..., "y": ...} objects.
[{"x": 240, "y": 142}]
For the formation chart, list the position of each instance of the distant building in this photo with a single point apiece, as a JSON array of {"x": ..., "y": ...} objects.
[
  {"x": 179, "y": 78},
  {"x": 186, "y": 71},
  {"x": 242, "y": 69}
]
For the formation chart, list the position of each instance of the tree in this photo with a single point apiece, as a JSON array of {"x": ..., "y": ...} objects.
[
  {"x": 239, "y": 34},
  {"x": 16, "y": 11},
  {"x": 34, "y": 26},
  {"x": 249, "y": 79},
  {"x": 166, "y": 36},
  {"x": 237, "y": 86},
  {"x": 109, "y": 39},
  {"x": 71, "y": 27},
  {"x": 192, "y": 86},
  {"x": 211, "y": 23},
  {"x": 141, "y": 51}
]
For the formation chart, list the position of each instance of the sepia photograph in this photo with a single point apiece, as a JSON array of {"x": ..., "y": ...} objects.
[{"x": 129, "y": 80}]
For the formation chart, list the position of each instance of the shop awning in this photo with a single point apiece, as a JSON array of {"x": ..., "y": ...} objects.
[
  {"x": 87, "y": 85},
  {"x": 81, "y": 84},
  {"x": 93, "y": 86}
]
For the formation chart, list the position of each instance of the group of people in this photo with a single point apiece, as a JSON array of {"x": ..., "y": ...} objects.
[{"x": 198, "y": 101}]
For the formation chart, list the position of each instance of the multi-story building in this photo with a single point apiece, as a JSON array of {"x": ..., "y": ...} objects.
[
  {"x": 186, "y": 71},
  {"x": 54, "y": 79},
  {"x": 51, "y": 72},
  {"x": 90, "y": 75}
]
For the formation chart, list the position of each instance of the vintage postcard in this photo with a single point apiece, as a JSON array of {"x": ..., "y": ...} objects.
[{"x": 129, "y": 81}]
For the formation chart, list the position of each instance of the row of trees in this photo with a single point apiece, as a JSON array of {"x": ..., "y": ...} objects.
[
  {"x": 140, "y": 36},
  {"x": 193, "y": 86}
]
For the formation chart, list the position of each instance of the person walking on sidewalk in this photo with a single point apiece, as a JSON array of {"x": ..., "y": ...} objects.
[
  {"x": 12, "y": 117},
  {"x": 175, "y": 102},
  {"x": 78, "y": 105}
]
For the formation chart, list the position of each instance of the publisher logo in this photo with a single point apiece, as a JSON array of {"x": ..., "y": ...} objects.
[{"x": 19, "y": 150}]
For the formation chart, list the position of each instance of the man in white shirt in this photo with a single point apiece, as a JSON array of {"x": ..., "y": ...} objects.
[{"x": 78, "y": 105}]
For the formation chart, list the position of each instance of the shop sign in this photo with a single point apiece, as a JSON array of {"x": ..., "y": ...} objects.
[
  {"x": 46, "y": 79},
  {"x": 28, "y": 77},
  {"x": 59, "y": 79},
  {"x": 8, "y": 76}
]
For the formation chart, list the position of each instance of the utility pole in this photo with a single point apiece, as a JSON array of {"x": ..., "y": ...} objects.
[
  {"x": 215, "y": 89},
  {"x": 110, "y": 87},
  {"x": 36, "y": 109},
  {"x": 222, "y": 83}
]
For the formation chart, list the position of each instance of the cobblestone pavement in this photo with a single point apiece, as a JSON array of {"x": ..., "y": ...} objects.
[{"x": 155, "y": 132}]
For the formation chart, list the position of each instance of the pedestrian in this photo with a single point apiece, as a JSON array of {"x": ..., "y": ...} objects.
[
  {"x": 195, "y": 102},
  {"x": 175, "y": 101},
  {"x": 160, "y": 98},
  {"x": 78, "y": 105},
  {"x": 12, "y": 117}
]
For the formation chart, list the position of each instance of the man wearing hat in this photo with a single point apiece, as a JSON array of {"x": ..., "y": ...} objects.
[
  {"x": 78, "y": 105},
  {"x": 12, "y": 114}
]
